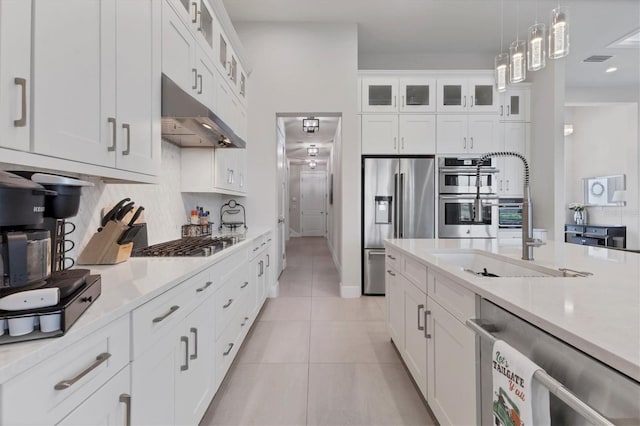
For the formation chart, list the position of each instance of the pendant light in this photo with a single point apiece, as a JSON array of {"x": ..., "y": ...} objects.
[
  {"x": 559, "y": 33},
  {"x": 502, "y": 60},
  {"x": 517, "y": 53},
  {"x": 536, "y": 45}
]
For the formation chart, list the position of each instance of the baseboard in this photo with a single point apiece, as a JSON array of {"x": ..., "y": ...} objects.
[
  {"x": 293, "y": 234},
  {"x": 349, "y": 291}
]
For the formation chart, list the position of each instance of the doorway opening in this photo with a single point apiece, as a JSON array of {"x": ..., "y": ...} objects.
[{"x": 307, "y": 159}]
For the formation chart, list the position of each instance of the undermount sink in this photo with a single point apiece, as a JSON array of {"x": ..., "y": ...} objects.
[{"x": 485, "y": 264}]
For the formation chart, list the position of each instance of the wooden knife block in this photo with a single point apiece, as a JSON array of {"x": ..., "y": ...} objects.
[{"x": 103, "y": 247}]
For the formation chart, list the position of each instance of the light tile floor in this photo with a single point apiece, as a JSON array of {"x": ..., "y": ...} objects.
[{"x": 313, "y": 358}]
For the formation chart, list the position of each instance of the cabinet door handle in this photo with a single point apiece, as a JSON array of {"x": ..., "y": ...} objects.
[
  {"x": 195, "y": 78},
  {"x": 464, "y": 100},
  {"x": 420, "y": 327},
  {"x": 162, "y": 317},
  {"x": 22, "y": 121},
  {"x": 465, "y": 142},
  {"x": 402, "y": 101},
  {"x": 226, "y": 305},
  {"x": 500, "y": 184},
  {"x": 127, "y": 128},
  {"x": 507, "y": 184},
  {"x": 244, "y": 322},
  {"x": 426, "y": 314},
  {"x": 194, "y": 331},
  {"x": 263, "y": 244},
  {"x": 228, "y": 351},
  {"x": 501, "y": 110},
  {"x": 126, "y": 400},
  {"x": 508, "y": 110},
  {"x": 394, "y": 101},
  {"x": 268, "y": 261},
  {"x": 112, "y": 120},
  {"x": 395, "y": 142},
  {"x": 65, "y": 384},
  {"x": 246, "y": 283},
  {"x": 402, "y": 140},
  {"x": 391, "y": 257},
  {"x": 195, "y": 15},
  {"x": 204, "y": 287},
  {"x": 471, "y": 142},
  {"x": 185, "y": 367},
  {"x": 200, "y": 80},
  {"x": 390, "y": 273},
  {"x": 229, "y": 72},
  {"x": 471, "y": 99}
]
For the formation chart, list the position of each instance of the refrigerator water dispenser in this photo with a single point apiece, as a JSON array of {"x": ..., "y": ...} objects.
[{"x": 383, "y": 210}]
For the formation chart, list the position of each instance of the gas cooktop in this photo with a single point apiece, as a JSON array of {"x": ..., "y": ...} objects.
[{"x": 189, "y": 246}]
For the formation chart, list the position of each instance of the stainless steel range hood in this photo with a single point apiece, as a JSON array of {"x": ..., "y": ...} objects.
[{"x": 188, "y": 123}]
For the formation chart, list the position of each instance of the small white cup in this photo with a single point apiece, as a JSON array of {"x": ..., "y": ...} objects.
[
  {"x": 49, "y": 323},
  {"x": 3, "y": 325},
  {"x": 20, "y": 326}
]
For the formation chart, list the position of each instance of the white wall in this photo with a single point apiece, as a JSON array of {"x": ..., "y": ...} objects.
[
  {"x": 286, "y": 78},
  {"x": 166, "y": 207},
  {"x": 605, "y": 142}
]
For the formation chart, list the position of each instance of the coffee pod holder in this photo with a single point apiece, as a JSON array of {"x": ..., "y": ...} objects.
[
  {"x": 52, "y": 321},
  {"x": 103, "y": 247}
]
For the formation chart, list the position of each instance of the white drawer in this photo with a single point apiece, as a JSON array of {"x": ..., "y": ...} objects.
[
  {"x": 158, "y": 315},
  {"x": 456, "y": 299},
  {"x": 256, "y": 245},
  {"x": 393, "y": 258},
  {"x": 77, "y": 371},
  {"x": 229, "y": 296},
  {"x": 227, "y": 345},
  {"x": 416, "y": 272}
]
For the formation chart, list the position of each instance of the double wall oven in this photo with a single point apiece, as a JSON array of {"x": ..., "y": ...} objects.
[{"x": 457, "y": 194}]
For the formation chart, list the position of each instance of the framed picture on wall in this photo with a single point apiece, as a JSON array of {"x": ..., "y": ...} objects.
[{"x": 331, "y": 189}]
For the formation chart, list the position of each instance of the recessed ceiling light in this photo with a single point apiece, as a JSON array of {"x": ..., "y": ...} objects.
[
  {"x": 206, "y": 126},
  {"x": 611, "y": 69}
]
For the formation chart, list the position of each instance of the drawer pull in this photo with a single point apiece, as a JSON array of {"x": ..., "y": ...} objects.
[
  {"x": 391, "y": 257},
  {"x": 226, "y": 305},
  {"x": 390, "y": 273},
  {"x": 263, "y": 243},
  {"x": 244, "y": 322},
  {"x": 420, "y": 327},
  {"x": 162, "y": 317},
  {"x": 426, "y": 314},
  {"x": 246, "y": 283},
  {"x": 126, "y": 400},
  {"x": 256, "y": 248},
  {"x": 228, "y": 351},
  {"x": 203, "y": 288},
  {"x": 185, "y": 367},
  {"x": 68, "y": 383}
]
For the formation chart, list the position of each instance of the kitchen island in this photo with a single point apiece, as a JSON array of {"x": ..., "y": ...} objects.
[{"x": 599, "y": 313}]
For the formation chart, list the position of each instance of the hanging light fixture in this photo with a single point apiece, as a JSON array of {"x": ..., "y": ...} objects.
[
  {"x": 559, "y": 33},
  {"x": 502, "y": 60},
  {"x": 536, "y": 45},
  {"x": 310, "y": 124},
  {"x": 517, "y": 53},
  {"x": 312, "y": 151},
  {"x": 313, "y": 164}
]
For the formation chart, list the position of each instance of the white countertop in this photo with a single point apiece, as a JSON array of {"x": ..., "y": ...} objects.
[
  {"x": 599, "y": 314},
  {"x": 124, "y": 287}
]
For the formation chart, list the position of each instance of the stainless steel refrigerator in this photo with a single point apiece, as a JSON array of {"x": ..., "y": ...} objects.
[{"x": 398, "y": 202}]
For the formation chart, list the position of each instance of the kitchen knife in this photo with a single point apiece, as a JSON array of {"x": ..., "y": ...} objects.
[
  {"x": 124, "y": 210},
  {"x": 110, "y": 215},
  {"x": 30, "y": 299},
  {"x": 130, "y": 234},
  {"x": 136, "y": 215}
]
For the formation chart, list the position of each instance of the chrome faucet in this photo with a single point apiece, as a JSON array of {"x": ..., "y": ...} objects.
[{"x": 528, "y": 242}]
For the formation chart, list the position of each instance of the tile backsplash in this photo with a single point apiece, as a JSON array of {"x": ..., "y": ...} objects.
[{"x": 166, "y": 208}]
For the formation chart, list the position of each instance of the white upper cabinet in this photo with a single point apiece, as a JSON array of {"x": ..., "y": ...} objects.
[
  {"x": 15, "y": 73},
  {"x": 206, "y": 80},
  {"x": 473, "y": 94},
  {"x": 379, "y": 133},
  {"x": 514, "y": 105},
  {"x": 398, "y": 134},
  {"x": 109, "y": 76},
  {"x": 198, "y": 16},
  {"x": 417, "y": 134},
  {"x": 510, "y": 179},
  {"x": 417, "y": 94},
  {"x": 379, "y": 94},
  {"x": 467, "y": 134},
  {"x": 178, "y": 51}
]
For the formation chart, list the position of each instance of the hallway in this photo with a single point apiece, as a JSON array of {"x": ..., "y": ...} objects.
[{"x": 313, "y": 358}]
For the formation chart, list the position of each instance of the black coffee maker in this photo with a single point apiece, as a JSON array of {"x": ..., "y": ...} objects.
[{"x": 25, "y": 248}]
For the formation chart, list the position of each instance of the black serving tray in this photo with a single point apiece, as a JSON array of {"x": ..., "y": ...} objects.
[{"x": 70, "y": 308}]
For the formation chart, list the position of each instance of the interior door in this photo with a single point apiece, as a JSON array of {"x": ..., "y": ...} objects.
[
  {"x": 417, "y": 187},
  {"x": 312, "y": 203},
  {"x": 283, "y": 195}
]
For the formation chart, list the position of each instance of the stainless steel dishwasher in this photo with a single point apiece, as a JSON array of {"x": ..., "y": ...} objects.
[{"x": 597, "y": 389}]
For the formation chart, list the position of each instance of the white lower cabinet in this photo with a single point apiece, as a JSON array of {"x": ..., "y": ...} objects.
[
  {"x": 425, "y": 318},
  {"x": 110, "y": 405},
  {"x": 415, "y": 337},
  {"x": 451, "y": 368}
]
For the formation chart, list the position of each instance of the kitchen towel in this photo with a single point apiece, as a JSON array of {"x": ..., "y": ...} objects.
[{"x": 518, "y": 400}]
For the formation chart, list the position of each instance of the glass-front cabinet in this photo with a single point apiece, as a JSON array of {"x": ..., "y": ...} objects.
[
  {"x": 475, "y": 94},
  {"x": 417, "y": 95},
  {"x": 380, "y": 94},
  {"x": 198, "y": 14},
  {"x": 514, "y": 105}
]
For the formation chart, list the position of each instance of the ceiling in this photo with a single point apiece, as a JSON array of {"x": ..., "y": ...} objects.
[
  {"x": 456, "y": 34},
  {"x": 297, "y": 141}
]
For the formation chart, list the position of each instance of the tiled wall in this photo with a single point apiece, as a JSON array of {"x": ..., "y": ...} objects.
[{"x": 166, "y": 208}]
